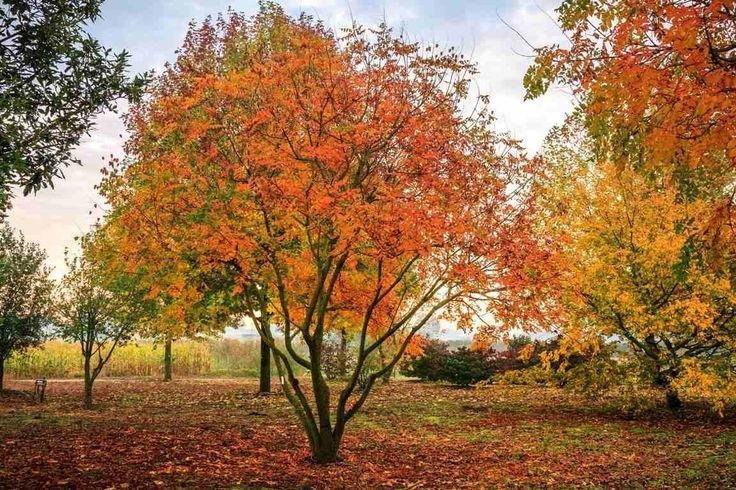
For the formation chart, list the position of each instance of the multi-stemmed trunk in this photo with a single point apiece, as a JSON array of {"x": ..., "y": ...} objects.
[
  {"x": 323, "y": 431},
  {"x": 326, "y": 448},
  {"x": 91, "y": 372},
  {"x": 265, "y": 371},
  {"x": 167, "y": 359},
  {"x": 324, "y": 441}
]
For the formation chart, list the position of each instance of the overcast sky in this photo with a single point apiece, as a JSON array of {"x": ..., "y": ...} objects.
[{"x": 151, "y": 30}]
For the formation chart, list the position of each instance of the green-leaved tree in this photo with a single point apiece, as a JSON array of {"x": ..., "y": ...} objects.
[
  {"x": 24, "y": 295},
  {"x": 54, "y": 80}
]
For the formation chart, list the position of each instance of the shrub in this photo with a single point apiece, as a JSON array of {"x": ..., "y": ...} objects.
[
  {"x": 521, "y": 363},
  {"x": 461, "y": 367},
  {"x": 429, "y": 365},
  {"x": 521, "y": 353},
  {"x": 465, "y": 367}
]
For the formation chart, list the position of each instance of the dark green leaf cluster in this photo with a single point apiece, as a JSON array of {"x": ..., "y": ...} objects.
[{"x": 54, "y": 80}]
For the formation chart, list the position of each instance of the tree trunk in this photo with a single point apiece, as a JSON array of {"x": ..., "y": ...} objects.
[
  {"x": 167, "y": 359},
  {"x": 87, "y": 394},
  {"x": 326, "y": 448},
  {"x": 325, "y": 445},
  {"x": 386, "y": 378},
  {"x": 673, "y": 399},
  {"x": 2, "y": 372},
  {"x": 343, "y": 356},
  {"x": 265, "y": 372},
  {"x": 664, "y": 380},
  {"x": 87, "y": 383}
]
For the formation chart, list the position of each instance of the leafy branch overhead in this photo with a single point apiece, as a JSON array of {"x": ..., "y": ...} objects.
[{"x": 54, "y": 80}]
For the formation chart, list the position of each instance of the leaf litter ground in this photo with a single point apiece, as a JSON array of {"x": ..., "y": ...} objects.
[{"x": 215, "y": 433}]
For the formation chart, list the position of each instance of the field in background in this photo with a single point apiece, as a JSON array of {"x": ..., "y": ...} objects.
[{"x": 211, "y": 357}]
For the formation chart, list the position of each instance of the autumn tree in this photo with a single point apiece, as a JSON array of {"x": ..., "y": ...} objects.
[
  {"x": 341, "y": 180},
  {"x": 97, "y": 311},
  {"x": 54, "y": 79},
  {"x": 166, "y": 316},
  {"x": 637, "y": 270},
  {"x": 633, "y": 59},
  {"x": 657, "y": 82},
  {"x": 24, "y": 295}
]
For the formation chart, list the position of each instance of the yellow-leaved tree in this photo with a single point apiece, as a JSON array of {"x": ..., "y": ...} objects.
[{"x": 639, "y": 272}]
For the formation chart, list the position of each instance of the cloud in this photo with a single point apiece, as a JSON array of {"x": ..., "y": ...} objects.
[
  {"x": 503, "y": 57},
  {"x": 54, "y": 217}
]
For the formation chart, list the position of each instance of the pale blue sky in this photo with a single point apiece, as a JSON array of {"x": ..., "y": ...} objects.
[{"x": 151, "y": 30}]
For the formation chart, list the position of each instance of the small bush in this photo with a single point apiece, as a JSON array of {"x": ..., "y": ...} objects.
[
  {"x": 522, "y": 360},
  {"x": 465, "y": 367},
  {"x": 461, "y": 367},
  {"x": 429, "y": 365}
]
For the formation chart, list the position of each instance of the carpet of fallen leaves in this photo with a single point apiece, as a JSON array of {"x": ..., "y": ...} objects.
[{"x": 206, "y": 433}]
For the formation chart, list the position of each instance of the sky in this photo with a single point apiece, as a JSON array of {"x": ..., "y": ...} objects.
[{"x": 151, "y": 31}]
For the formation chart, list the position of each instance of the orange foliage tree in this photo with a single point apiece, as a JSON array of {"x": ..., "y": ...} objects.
[
  {"x": 331, "y": 181},
  {"x": 657, "y": 81},
  {"x": 658, "y": 77}
]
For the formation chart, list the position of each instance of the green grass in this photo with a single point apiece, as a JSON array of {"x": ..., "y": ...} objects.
[{"x": 22, "y": 419}]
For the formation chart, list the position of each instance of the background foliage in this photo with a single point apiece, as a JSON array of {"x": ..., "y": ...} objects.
[{"x": 215, "y": 357}]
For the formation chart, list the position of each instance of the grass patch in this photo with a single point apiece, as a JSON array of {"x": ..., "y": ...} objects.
[{"x": 21, "y": 419}]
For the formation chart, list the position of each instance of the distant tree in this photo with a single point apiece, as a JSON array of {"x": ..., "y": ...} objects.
[
  {"x": 206, "y": 309},
  {"x": 54, "y": 79},
  {"x": 25, "y": 291},
  {"x": 97, "y": 312}
]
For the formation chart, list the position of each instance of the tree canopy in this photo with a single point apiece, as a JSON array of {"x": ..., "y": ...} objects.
[
  {"x": 337, "y": 179},
  {"x": 636, "y": 267},
  {"x": 54, "y": 79},
  {"x": 25, "y": 292}
]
